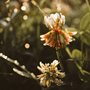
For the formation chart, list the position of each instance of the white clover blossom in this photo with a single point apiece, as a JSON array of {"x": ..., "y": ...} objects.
[
  {"x": 50, "y": 74},
  {"x": 55, "y": 23},
  {"x": 49, "y": 22},
  {"x": 53, "y": 19}
]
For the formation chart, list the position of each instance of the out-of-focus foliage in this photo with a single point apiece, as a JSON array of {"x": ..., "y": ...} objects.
[
  {"x": 77, "y": 54},
  {"x": 24, "y": 24},
  {"x": 85, "y": 29}
]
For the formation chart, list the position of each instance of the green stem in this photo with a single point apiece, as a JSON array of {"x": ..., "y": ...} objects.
[
  {"x": 35, "y": 4},
  {"x": 87, "y": 2},
  {"x": 38, "y": 31},
  {"x": 69, "y": 52},
  {"x": 82, "y": 71},
  {"x": 38, "y": 38},
  {"x": 59, "y": 57},
  {"x": 82, "y": 53}
]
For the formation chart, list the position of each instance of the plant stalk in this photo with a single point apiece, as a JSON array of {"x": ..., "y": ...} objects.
[
  {"x": 59, "y": 57},
  {"x": 35, "y": 4}
]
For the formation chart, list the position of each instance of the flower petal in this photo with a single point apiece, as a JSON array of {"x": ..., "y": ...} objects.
[{"x": 55, "y": 63}]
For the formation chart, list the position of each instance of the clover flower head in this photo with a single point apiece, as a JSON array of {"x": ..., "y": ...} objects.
[
  {"x": 50, "y": 74},
  {"x": 57, "y": 36}
]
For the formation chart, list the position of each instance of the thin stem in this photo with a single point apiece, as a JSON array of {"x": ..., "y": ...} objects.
[
  {"x": 38, "y": 38},
  {"x": 35, "y": 4},
  {"x": 59, "y": 57},
  {"x": 87, "y": 2},
  {"x": 69, "y": 52},
  {"x": 82, "y": 71},
  {"x": 82, "y": 52}
]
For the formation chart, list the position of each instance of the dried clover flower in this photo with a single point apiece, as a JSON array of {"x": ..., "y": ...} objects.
[
  {"x": 56, "y": 37},
  {"x": 50, "y": 74}
]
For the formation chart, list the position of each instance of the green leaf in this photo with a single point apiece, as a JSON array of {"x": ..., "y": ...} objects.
[
  {"x": 85, "y": 29},
  {"x": 72, "y": 29},
  {"x": 76, "y": 54},
  {"x": 85, "y": 21},
  {"x": 82, "y": 71},
  {"x": 85, "y": 38}
]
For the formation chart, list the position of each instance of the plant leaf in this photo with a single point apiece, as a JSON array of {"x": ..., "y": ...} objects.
[
  {"x": 76, "y": 54},
  {"x": 85, "y": 29},
  {"x": 85, "y": 21},
  {"x": 85, "y": 38}
]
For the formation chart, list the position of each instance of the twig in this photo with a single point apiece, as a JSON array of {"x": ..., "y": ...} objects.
[{"x": 23, "y": 68}]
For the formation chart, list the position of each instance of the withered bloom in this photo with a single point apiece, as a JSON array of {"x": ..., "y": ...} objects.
[
  {"x": 56, "y": 37},
  {"x": 50, "y": 74}
]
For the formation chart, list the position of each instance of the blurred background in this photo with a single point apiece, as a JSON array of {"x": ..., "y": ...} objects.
[{"x": 21, "y": 24}]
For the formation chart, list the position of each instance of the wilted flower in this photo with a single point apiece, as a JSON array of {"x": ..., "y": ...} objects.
[
  {"x": 50, "y": 74},
  {"x": 57, "y": 37}
]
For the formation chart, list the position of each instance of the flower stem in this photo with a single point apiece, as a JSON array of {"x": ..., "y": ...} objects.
[
  {"x": 68, "y": 52},
  {"x": 59, "y": 57},
  {"x": 35, "y": 4}
]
